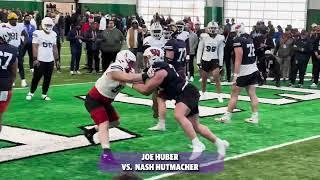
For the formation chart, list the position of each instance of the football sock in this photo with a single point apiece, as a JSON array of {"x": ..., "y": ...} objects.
[
  {"x": 218, "y": 141},
  {"x": 105, "y": 146},
  {"x": 196, "y": 142},
  {"x": 228, "y": 115},
  {"x": 162, "y": 122},
  {"x": 254, "y": 115}
]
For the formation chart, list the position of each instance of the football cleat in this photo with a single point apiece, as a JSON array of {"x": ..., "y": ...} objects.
[
  {"x": 299, "y": 86},
  {"x": 72, "y": 72},
  {"x": 29, "y": 96},
  {"x": 158, "y": 127},
  {"x": 191, "y": 79},
  {"x": 78, "y": 72},
  {"x": 222, "y": 148},
  {"x": 24, "y": 83},
  {"x": 313, "y": 85},
  {"x": 45, "y": 97},
  {"x": 252, "y": 120},
  {"x": 197, "y": 151},
  {"x": 107, "y": 160}
]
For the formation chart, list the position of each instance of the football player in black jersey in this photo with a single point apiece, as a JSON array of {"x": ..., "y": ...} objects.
[
  {"x": 186, "y": 112},
  {"x": 8, "y": 69},
  {"x": 246, "y": 74}
]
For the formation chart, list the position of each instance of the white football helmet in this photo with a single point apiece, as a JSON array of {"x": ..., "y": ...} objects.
[
  {"x": 239, "y": 29},
  {"x": 47, "y": 24},
  {"x": 153, "y": 54},
  {"x": 125, "y": 59},
  {"x": 5, "y": 33},
  {"x": 213, "y": 28},
  {"x": 156, "y": 30}
]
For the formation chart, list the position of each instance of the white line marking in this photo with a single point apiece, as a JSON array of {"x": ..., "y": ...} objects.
[
  {"x": 246, "y": 154},
  {"x": 58, "y": 85}
]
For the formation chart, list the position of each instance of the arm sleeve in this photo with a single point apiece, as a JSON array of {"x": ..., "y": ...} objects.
[
  {"x": 200, "y": 51},
  {"x": 221, "y": 51},
  {"x": 35, "y": 38}
]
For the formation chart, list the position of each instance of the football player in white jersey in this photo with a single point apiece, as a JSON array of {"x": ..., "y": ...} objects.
[
  {"x": 99, "y": 99},
  {"x": 210, "y": 56},
  {"x": 16, "y": 38},
  {"x": 156, "y": 39},
  {"x": 45, "y": 52}
]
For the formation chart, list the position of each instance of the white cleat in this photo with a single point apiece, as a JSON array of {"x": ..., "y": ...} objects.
[
  {"x": 13, "y": 84},
  {"x": 222, "y": 148},
  {"x": 29, "y": 96},
  {"x": 78, "y": 72},
  {"x": 31, "y": 70},
  {"x": 251, "y": 120},
  {"x": 197, "y": 151},
  {"x": 72, "y": 73},
  {"x": 191, "y": 79},
  {"x": 220, "y": 99},
  {"x": 24, "y": 83},
  {"x": 45, "y": 97},
  {"x": 223, "y": 119},
  {"x": 313, "y": 86},
  {"x": 157, "y": 128}
]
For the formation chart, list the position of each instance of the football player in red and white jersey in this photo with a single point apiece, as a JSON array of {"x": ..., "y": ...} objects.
[{"x": 99, "y": 99}]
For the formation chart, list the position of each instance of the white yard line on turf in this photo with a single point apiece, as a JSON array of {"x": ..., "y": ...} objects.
[
  {"x": 246, "y": 154},
  {"x": 57, "y": 85}
]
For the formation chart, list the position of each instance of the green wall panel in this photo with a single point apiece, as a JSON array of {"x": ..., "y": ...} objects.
[
  {"x": 22, "y": 5},
  {"x": 313, "y": 16},
  {"x": 213, "y": 13},
  {"x": 123, "y": 9}
]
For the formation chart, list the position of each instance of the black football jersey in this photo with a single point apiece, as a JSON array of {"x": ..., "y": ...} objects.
[
  {"x": 247, "y": 45},
  {"x": 8, "y": 56},
  {"x": 172, "y": 84},
  {"x": 180, "y": 50}
]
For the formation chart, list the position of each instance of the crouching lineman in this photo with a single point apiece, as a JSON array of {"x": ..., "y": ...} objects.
[
  {"x": 246, "y": 74},
  {"x": 8, "y": 69},
  {"x": 210, "y": 56},
  {"x": 99, "y": 99},
  {"x": 45, "y": 52},
  {"x": 173, "y": 86}
]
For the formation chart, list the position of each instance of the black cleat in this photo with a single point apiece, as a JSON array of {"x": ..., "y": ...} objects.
[{"x": 89, "y": 135}]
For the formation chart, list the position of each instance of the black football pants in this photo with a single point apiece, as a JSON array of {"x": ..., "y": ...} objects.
[{"x": 45, "y": 69}]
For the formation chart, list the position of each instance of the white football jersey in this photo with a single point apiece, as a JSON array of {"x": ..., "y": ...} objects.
[
  {"x": 107, "y": 87},
  {"x": 16, "y": 36},
  {"x": 45, "y": 42},
  {"x": 154, "y": 42},
  {"x": 184, "y": 35},
  {"x": 210, "y": 48}
]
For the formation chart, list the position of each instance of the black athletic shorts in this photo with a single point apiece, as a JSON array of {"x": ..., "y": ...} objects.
[
  {"x": 209, "y": 66},
  {"x": 251, "y": 79},
  {"x": 190, "y": 97}
]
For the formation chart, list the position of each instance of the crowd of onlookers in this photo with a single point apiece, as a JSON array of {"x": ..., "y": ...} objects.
[
  {"x": 284, "y": 53},
  {"x": 281, "y": 52}
]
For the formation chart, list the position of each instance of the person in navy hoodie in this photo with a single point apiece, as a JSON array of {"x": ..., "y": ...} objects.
[{"x": 29, "y": 28}]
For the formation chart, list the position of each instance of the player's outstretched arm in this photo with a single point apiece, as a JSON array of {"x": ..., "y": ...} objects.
[
  {"x": 152, "y": 84},
  {"x": 128, "y": 78}
]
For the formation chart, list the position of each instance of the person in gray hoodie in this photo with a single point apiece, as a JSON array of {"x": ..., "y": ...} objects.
[
  {"x": 193, "y": 44},
  {"x": 284, "y": 50}
]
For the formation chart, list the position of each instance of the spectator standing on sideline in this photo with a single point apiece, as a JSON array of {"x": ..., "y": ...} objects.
[
  {"x": 90, "y": 37},
  {"x": 29, "y": 28},
  {"x": 284, "y": 51},
  {"x": 193, "y": 43},
  {"x": 59, "y": 31},
  {"x": 111, "y": 43},
  {"x": 135, "y": 43},
  {"x": 75, "y": 39},
  {"x": 67, "y": 23}
]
